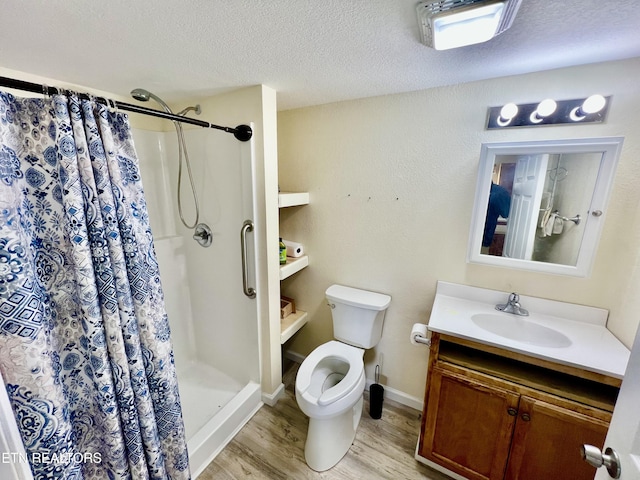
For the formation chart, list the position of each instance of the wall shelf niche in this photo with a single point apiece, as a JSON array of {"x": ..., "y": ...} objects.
[
  {"x": 290, "y": 324},
  {"x": 293, "y": 265},
  {"x": 292, "y": 199},
  {"x": 293, "y": 322}
]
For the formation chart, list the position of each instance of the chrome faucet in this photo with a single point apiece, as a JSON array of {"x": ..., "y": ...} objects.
[{"x": 513, "y": 306}]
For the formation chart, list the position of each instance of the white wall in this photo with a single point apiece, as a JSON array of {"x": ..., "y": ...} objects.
[
  {"x": 392, "y": 183},
  {"x": 170, "y": 248},
  {"x": 257, "y": 105},
  {"x": 211, "y": 320}
]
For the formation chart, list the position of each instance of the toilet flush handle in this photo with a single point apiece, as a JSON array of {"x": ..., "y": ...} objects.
[{"x": 332, "y": 305}]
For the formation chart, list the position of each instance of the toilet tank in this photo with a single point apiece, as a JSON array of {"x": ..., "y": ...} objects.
[{"x": 357, "y": 314}]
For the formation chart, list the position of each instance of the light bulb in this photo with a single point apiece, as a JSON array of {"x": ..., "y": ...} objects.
[
  {"x": 545, "y": 108},
  {"x": 507, "y": 112},
  {"x": 593, "y": 104}
]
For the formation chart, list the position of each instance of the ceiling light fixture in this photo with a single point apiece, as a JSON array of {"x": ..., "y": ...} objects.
[
  {"x": 550, "y": 112},
  {"x": 449, "y": 24}
]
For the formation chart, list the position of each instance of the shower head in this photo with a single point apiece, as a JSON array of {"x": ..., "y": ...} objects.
[
  {"x": 143, "y": 95},
  {"x": 196, "y": 109}
]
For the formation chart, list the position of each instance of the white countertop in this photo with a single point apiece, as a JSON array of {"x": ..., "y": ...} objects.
[{"x": 593, "y": 347}]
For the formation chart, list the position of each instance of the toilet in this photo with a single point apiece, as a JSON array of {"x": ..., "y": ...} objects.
[{"x": 331, "y": 380}]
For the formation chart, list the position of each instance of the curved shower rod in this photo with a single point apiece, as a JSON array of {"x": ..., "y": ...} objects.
[{"x": 241, "y": 132}]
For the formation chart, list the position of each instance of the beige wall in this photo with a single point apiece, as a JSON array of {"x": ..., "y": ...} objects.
[{"x": 392, "y": 183}]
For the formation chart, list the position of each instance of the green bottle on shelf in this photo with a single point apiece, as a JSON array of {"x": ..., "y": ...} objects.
[{"x": 283, "y": 252}]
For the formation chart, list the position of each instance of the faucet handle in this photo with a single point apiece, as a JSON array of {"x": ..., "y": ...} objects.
[{"x": 514, "y": 298}]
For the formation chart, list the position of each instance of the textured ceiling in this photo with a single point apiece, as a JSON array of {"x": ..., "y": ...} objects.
[{"x": 310, "y": 52}]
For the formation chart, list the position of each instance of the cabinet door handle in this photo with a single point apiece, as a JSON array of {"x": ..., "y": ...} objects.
[
  {"x": 525, "y": 417},
  {"x": 512, "y": 411}
]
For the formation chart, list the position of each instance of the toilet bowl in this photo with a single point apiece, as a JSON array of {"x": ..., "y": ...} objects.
[
  {"x": 329, "y": 388},
  {"x": 331, "y": 380}
]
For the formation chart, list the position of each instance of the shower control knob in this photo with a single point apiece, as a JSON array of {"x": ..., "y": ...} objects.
[{"x": 203, "y": 235}]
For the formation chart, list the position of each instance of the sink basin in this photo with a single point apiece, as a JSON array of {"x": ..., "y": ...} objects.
[{"x": 517, "y": 328}]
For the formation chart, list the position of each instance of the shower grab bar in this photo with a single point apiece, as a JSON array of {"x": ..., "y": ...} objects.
[
  {"x": 575, "y": 219},
  {"x": 247, "y": 226}
]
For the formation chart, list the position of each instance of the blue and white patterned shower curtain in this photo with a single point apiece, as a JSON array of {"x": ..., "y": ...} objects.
[{"x": 85, "y": 351}]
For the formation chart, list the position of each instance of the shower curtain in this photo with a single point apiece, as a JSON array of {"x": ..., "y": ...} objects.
[{"x": 85, "y": 351}]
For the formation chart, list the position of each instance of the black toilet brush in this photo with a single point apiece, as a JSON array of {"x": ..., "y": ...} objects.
[{"x": 376, "y": 396}]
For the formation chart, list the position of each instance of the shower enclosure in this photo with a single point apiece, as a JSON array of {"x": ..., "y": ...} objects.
[{"x": 214, "y": 326}]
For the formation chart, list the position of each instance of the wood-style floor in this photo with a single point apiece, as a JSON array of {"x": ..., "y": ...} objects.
[{"x": 271, "y": 446}]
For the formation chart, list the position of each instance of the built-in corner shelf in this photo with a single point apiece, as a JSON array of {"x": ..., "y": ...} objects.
[
  {"x": 293, "y": 322},
  {"x": 292, "y": 199},
  {"x": 293, "y": 265},
  {"x": 290, "y": 324}
]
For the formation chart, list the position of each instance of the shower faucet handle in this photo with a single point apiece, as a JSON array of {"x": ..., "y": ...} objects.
[{"x": 202, "y": 234}]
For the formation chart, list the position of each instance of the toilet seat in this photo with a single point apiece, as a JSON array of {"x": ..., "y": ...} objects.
[{"x": 347, "y": 353}]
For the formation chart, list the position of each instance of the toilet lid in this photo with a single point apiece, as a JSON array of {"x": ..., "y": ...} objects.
[{"x": 347, "y": 353}]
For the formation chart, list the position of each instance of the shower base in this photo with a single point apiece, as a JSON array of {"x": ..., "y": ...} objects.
[{"x": 215, "y": 407}]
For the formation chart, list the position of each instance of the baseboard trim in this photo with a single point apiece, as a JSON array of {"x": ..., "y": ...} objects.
[
  {"x": 399, "y": 397},
  {"x": 437, "y": 467},
  {"x": 294, "y": 356},
  {"x": 389, "y": 393},
  {"x": 272, "y": 398}
]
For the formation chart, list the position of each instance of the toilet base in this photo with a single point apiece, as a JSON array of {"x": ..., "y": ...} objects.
[{"x": 328, "y": 440}]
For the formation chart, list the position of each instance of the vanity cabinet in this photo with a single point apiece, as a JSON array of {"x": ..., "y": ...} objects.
[{"x": 492, "y": 414}]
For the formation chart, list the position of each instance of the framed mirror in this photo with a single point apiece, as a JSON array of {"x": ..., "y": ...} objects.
[{"x": 541, "y": 205}]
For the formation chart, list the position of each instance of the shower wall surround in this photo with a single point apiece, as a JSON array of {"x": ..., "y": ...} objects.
[{"x": 215, "y": 343}]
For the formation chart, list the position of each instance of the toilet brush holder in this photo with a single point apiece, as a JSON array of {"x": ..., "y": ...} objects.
[{"x": 376, "y": 397}]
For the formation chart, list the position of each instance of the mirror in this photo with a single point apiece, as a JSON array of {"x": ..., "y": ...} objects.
[{"x": 541, "y": 205}]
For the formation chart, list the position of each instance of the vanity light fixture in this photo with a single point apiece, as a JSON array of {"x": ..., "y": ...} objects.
[
  {"x": 550, "y": 112},
  {"x": 449, "y": 24}
]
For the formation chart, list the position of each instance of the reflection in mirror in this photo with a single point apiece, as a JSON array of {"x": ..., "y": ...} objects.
[
  {"x": 539, "y": 204},
  {"x": 562, "y": 187}
]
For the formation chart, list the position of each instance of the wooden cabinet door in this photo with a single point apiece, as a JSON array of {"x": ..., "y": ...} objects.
[
  {"x": 468, "y": 426},
  {"x": 547, "y": 440}
]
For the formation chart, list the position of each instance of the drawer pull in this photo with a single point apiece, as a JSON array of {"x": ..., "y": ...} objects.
[{"x": 512, "y": 411}]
